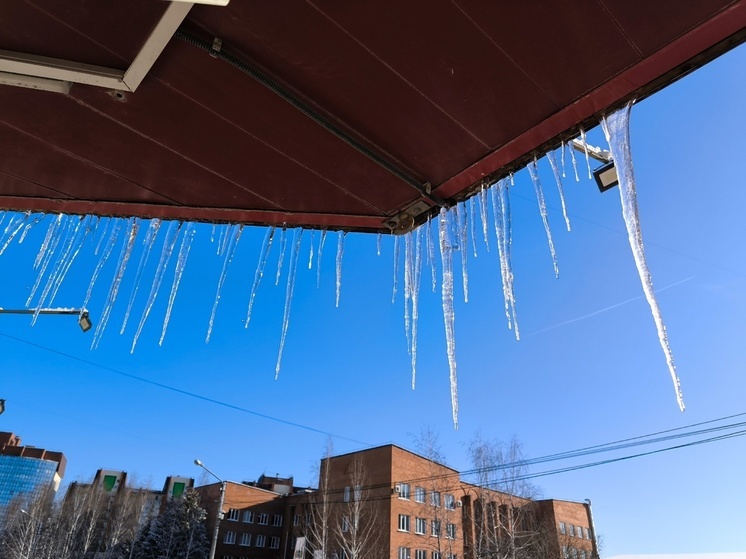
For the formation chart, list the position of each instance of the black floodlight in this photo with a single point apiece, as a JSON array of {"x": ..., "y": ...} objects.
[{"x": 606, "y": 176}]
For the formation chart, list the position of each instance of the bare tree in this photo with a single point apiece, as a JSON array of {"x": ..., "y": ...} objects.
[
  {"x": 355, "y": 520},
  {"x": 317, "y": 522}
]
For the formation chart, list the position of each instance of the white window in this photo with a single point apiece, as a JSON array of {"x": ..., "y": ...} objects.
[
  {"x": 274, "y": 542},
  {"x": 230, "y": 537},
  {"x": 420, "y": 525},
  {"x": 263, "y": 518},
  {"x": 419, "y": 494},
  {"x": 563, "y": 528},
  {"x": 404, "y": 553},
  {"x": 404, "y": 523},
  {"x": 296, "y": 520},
  {"x": 420, "y": 554},
  {"x": 248, "y": 516},
  {"x": 587, "y": 533},
  {"x": 435, "y": 525},
  {"x": 347, "y": 494},
  {"x": 435, "y": 555},
  {"x": 404, "y": 491},
  {"x": 233, "y": 514},
  {"x": 451, "y": 531},
  {"x": 449, "y": 501},
  {"x": 358, "y": 492},
  {"x": 277, "y": 520},
  {"x": 572, "y": 530},
  {"x": 435, "y": 499},
  {"x": 260, "y": 540},
  {"x": 245, "y": 539}
]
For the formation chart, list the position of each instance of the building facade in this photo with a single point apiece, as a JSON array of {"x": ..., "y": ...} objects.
[{"x": 27, "y": 471}]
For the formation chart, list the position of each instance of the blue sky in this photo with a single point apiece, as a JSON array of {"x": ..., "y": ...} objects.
[{"x": 577, "y": 378}]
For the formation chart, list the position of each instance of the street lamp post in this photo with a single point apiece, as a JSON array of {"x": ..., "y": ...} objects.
[
  {"x": 594, "y": 541},
  {"x": 84, "y": 320},
  {"x": 219, "y": 514},
  {"x": 37, "y": 529}
]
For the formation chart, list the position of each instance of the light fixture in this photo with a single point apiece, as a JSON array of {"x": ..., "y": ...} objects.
[
  {"x": 606, "y": 176},
  {"x": 2, "y": 406},
  {"x": 84, "y": 321}
]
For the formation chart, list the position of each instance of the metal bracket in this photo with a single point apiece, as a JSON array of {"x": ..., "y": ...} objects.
[{"x": 405, "y": 221}]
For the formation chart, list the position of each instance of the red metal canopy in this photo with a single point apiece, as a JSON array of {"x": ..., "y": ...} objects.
[{"x": 363, "y": 115}]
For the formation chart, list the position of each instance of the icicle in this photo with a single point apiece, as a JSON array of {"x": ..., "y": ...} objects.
[
  {"x": 172, "y": 234},
  {"x": 562, "y": 156},
  {"x": 396, "y": 267},
  {"x": 212, "y": 234},
  {"x": 29, "y": 227},
  {"x": 533, "y": 171},
  {"x": 234, "y": 235},
  {"x": 462, "y": 227},
  {"x": 553, "y": 162},
  {"x": 310, "y": 254},
  {"x": 501, "y": 210},
  {"x": 483, "y": 214},
  {"x": 259, "y": 273},
  {"x": 378, "y": 244},
  {"x": 104, "y": 257},
  {"x": 186, "y": 244},
  {"x": 16, "y": 227},
  {"x": 449, "y": 317},
  {"x": 340, "y": 252},
  {"x": 124, "y": 256},
  {"x": 408, "y": 269},
  {"x": 283, "y": 242},
  {"x": 431, "y": 253},
  {"x": 49, "y": 246},
  {"x": 297, "y": 236},
  {"x": 150, "y": 237},
  {"x": 109, "y": 220},
  {"x": 415, "y": 300},
  {"x": 224, "y": 238},
  {"x": 587, "y": 157},
  {"x": 571, "y": 145},
  {"x": 77, "y": 245},
  {"x": 473, "y": 224},
  {"x": 512, "y": 179},
  {"x": 616, "y": 129},
  {"x": 322, "y": 241}
]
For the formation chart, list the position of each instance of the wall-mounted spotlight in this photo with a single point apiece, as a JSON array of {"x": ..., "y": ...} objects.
[{"x": 605, "y": 175}]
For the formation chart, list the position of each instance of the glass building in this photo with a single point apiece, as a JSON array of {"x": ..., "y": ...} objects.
[{"x": 27, "y": 470}]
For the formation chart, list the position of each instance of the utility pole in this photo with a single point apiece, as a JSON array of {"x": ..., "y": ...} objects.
[{"x": 221, "y": 502}]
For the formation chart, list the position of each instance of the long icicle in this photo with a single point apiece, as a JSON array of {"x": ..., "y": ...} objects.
[
  {"x": 558, "y": 179},
  {"x": 124, "y": 256},
  {"x": 473, "y": 224},
  {"x": 533, "y": 171},
  {"x": 47, "y": 240},
  {"x": 186, "y": 244},
  {"x": 78, "y": 244},
  {"x": 48, "y": 249},
  {"x": 587, "y": 156},
  {"x": 108, "y": 248},
  {"x": 431, "y": 253},
  {"x": 172, "y": 234},
  {"x": 322, "y": 241},
  {"x": 571, "y": 146},
  {"x": 507, "y": 221},
  {"x": 280, "y": 260},
  {"x": 310, "y": 253},
  {"x": 616, "y": 130},
  {"x": 234, "y": 236},
  {"x": 408, "y": 270},
  {"x": 259, "y": 273},
  {"x": 462, "y": 228},
  {"x": 292, "y": 269},
  {"x": 449, "y": 317},
  {"x": 150, "y": 237},
  {"x": 501, "y": 210},
  {"x": 14, "y": 232},
  {"x": 340, "y": 253},
  {"x": 416, "y": 300},
  {"x": 396, "y": 267},
  {"x": 483, "y": 214}
]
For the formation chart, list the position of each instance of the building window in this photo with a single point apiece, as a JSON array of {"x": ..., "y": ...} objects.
[
  {"x": 450, "y": 502},
  {"x": 587, "y": 533},
  {"x": 563, "y": 528},
  {"x": 451, "y": 531},
  {"x": 345, "y": 524},
  {"x": 419, "y": 494},
  {"x": 274, "y": 542},
  {"x": 404, "y": 491},
  {"x": 404, "y": 553},
  {"x": 420, "y": 554},
  {"x": 230, "y": 537},
  {"x": 245, "y": 539},
  {"x": 296, "y": 520},
  {"x": 248, "y": 517},
  {"x": 435, "y": 499},
  {"x": 308, "y": 518},
  {"x": 404, "y": 523},
  {"x": 435, "y": 525},
  {"x": 572, "y": 530},
  {"x": 358, "y": 492},
  {"x": 420, "y": 525},
  {"x": 277, "y": 520},
  {"x": 260, "y": 540},
  {"x": 347, "y": 494},
  {"x": 435, "y": 555},
  {"x": 233, "y": 515},
  {"x": 263, "y": 518}
]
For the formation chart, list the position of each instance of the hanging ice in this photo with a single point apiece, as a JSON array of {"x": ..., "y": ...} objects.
[
  {"x": 109, "y": 221},
  {"x": 172, "y": 234},
  {"x": 310, "y": 254},
  {"x": 259, "y": 273},
  {"x": 587, "y": 156},
  {"x": 283, "y": 242},
  {"x": 462, "y": 229},
  {"x": 483, "y": 214},
  {"x": 562, "y": 156},
  {"x": 553, "y": 163},
  {"x": 186, "y": 244},
  {"x": 297, "y": 236},
  {"x": 29, "y": 226},
  {"x": 503, "y": 232},
  {"x": 574, "y": 162},
  {"x": 150, "y": 236},
  {"x": 431, "y": 253},
  {"x": 473, "y": 223},
  {"x": 408, "y": 273},
  {"x": 104, "y": 257},
  {"x": 533, "y": 171},
  {"x": 234, "y": 236},
  {"x": 396, "y": 267},
  {"x": 124, "y": 256},
  {"x": 54, "y": 234},
  {"x": 340, "y": 252},
  {"x": 322, "y": 241},
  {"x": 616, "y": 129},
  {"x": 449, "y": 318},
  {"x": 16, "y": 227},
  {"x": 416, "y": 280},
  {"x": 378, "y": 244}
]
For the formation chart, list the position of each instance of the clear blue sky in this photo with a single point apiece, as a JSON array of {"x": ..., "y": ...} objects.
[{"x": 567, "y": 384}]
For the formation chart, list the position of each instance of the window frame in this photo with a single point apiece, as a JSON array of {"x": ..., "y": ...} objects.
[
  {"x": 420, "y": 494},
  {"x": 229, "y": 537},
  {"x": 262, "y": 516},
  {"x": 420, "y": 526},
  {"x": 404, "y": 523},
  {"x": 404, "y": 491},
  {"x": 247, "y": 517}
]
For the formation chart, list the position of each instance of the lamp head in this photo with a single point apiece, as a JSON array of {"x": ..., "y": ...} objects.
[
  {"x": 85, "y": 321},
  {"x": 197, "y": 462}
]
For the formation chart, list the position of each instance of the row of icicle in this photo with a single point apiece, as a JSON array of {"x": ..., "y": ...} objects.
[{"x": 66, "y": 235}]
